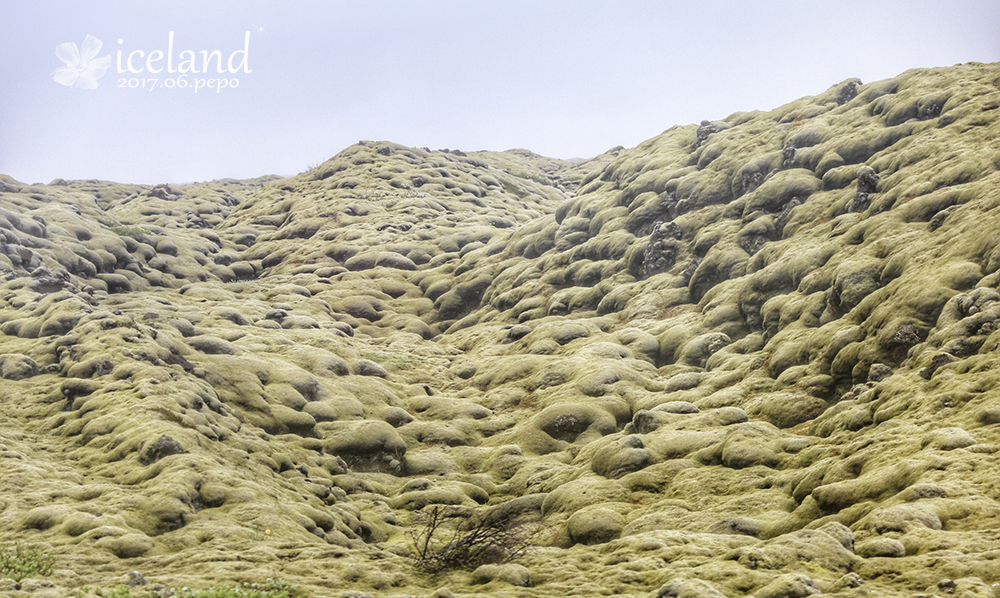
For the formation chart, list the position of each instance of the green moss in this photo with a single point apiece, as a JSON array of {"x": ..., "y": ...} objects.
[
  {"x": 270, "y": 588},
  {"x": 20, "y": 562},
  {"x": 130, "y": 231}
]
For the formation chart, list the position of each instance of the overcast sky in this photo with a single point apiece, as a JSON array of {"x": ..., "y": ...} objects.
[{"x": 564, "y": 79}]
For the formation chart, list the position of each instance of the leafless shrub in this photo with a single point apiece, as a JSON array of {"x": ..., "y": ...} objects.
[{"x": 457, "y": 538}]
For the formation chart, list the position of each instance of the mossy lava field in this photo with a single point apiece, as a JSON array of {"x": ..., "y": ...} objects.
[{"x": 759, "y": 356}]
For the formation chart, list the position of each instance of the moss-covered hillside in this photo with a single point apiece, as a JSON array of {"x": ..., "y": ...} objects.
[{"x": 756, "y": 356}]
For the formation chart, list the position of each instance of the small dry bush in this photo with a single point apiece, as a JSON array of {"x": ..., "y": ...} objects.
[{"x": 455, "y": 538}]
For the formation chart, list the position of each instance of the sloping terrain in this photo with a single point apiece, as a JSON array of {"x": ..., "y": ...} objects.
[{"x": 752, "y": 357}]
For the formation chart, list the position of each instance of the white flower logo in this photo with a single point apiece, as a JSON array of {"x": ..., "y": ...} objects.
[{"x": 82, "y": 68}]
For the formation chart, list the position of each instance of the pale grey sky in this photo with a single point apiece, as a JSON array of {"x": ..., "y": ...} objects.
[{"x": 563, "y": 79}]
